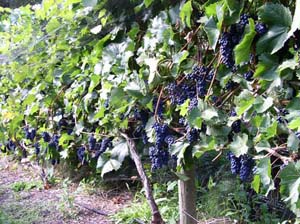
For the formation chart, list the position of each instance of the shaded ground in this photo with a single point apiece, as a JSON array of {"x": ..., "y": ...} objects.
[{"x": 58, "y": 204}]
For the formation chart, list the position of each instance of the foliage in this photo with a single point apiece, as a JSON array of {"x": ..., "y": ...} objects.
[
  {"x": 22, "y": 185},
  {"x": 178, "y": 77},
  {"x": 166, "y": 196}
]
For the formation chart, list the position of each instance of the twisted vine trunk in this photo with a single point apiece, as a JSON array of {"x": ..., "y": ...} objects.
[{"x": 156, "y": 216}]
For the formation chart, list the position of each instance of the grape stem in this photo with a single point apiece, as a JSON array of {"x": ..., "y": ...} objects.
[
  {"x": 157, "y": 103},
  {"x": 214, "y": 77}
]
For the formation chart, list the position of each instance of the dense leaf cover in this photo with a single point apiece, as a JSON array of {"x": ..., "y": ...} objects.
[{"x": 178, "y": 77}]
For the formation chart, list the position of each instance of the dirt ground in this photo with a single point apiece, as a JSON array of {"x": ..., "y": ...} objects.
[{"x": 50, "y": 206}]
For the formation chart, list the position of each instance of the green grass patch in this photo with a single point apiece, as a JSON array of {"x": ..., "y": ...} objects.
[{"x": 23, "y": 185}]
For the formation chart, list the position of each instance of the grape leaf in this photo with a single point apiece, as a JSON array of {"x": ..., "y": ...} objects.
[
  {"x": 186, "y": 12},
  {"x": 212, "y": 32},
  {"x": 239, "y": 145},
  {"x": 242, "y": 50}
]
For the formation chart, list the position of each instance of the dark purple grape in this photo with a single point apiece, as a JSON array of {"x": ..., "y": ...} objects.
[
  {"x": 235, "y": 164},
  {"x": 248, "y": 76},
  {"x": 105, "y": 144},
  {"x": 91, "y": 142},
  {"x": 236, "y": 126},
  {"x": 80, "y": 154},
  {"x": 169, "y": 140},
  {"x": 46, "y": 136},
  {"x": 261, "y": 28},
  {"x": 244, "y": 19},
  {"x": 193, "y": 103},
  {"x": 37, "y": 148},
  {"x": 226, "y": 50},
  {"x": 247, "y": 164},
  {"x": 192, "y": 135},
  {"x": 30, "y": 133},
  {"x": 11, "y": 145}
]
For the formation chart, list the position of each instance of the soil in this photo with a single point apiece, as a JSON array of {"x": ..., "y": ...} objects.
[{"x": 48, "y": 204}]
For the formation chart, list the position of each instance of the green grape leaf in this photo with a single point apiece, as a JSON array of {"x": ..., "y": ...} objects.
[
  {"x": 110, "y": 165},
  {"x": 263, "y": 169},
  {"x": 290, "y": 180},
  {"x": 120, "y": 151},
  {"x": 212, "y": 32},
  {"x": 244, "y": 102},
  {"x": 186, "y": 12},
  {"x": 296, "y": 19},
  {"x": 275, "y": 14},
  {"x": 293, "y": 142},
  {"x": 89, "y": 3},
  {"x": 239, "y": 144},
  {"x": 294, "y": 124},
  {"x": 279, "y": 20},
  {"x": 242, "y": 50}
]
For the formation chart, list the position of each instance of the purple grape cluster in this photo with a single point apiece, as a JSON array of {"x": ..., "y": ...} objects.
[
  {"x": 37, "y": 148},
  {"x": 248, "y": 75},
  {"x": 236, "y": 126},
  {"x": 46, "y": 136},
  {"x": 261, "y": 28},
  {"x": 161, "y": 132},
  {"x": 246, "y": 170},
  {"x": 92, "y": 142},
  {"x": 54, "y": 143},
  {"x": 199, "y": 73},
  {"x": 159, "y": 157},
  {"x": 192, "y": 134},
  {"x": 159, "y": 106},
  {"x": 30, "y": 133},
  {"x": 11, "y": 145},
  {"x": 235, "y": 164},
  {"x": 230, "y": 39},
  {"x": 242, "y": 165},
  {"x": 159, "y": 153},
  {"x": 80, "y": 154},
  {"x": 226, "y": 49}
]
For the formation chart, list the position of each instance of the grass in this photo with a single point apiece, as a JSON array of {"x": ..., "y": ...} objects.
[{"x": 25, "y": 185}]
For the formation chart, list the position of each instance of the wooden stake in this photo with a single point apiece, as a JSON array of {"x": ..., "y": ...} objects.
[
  {"x": 187, "y": 197},
  {"x": 156, "y": 216}
]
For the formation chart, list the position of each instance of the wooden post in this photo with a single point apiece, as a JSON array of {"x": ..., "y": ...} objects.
[{"x": 187, "y": 197}]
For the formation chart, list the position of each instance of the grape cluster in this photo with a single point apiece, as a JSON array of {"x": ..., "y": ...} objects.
[
  {"x": 260, "y": 28},
  {"x": 235, "y": 164},
  {"x": 92, "y": 142},
  {"x": 236, "y": 126},
  {"x": 242, "y": 165},
  {"x": 161, "y": 132},
  {"x": 54, "y": 143},
  {"x": 192, "y": 134},
  {"x": 281, "y": 113},
  {"x": 37, "y": 148},
  {"x": 159, "y": 157},
  {"x": 46, "y": 136},
  {"x": 30, "y": 133},
  {"x": 159, "y": 153},
  {"x": 230, "y": 39},
  {"x": 159, "y": 106},
  {"x": 226, "y": 49},
  {"x": 246, "y": 170},
  {"x": 80, "y": 154},
  {"x": 11, "y": 145},
  {"x": 248, "y": 75}
]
